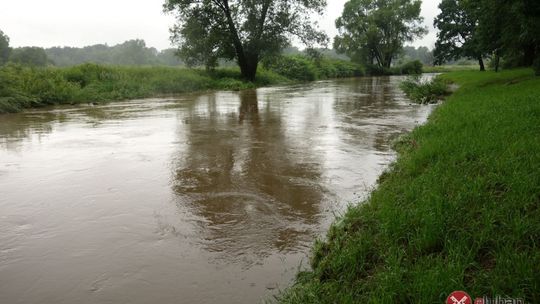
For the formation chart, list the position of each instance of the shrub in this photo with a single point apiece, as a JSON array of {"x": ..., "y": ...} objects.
[
  {"x": 424, "y": 92},
  {"x": 293, "y": 67},
  {"x": 412, "y": 68}
]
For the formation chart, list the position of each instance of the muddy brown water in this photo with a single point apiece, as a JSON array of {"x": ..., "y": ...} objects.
[{"x": 201, "y": 198}]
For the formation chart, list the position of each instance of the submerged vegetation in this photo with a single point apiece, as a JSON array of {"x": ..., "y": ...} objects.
[
  {"x": 425, "y": 91},
  {"x": 457, "y": 211}
]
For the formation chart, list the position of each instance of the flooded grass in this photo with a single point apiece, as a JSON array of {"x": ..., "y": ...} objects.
[
  {"x": 457, "y": 211},
  {"x": 424, "y": 92}
]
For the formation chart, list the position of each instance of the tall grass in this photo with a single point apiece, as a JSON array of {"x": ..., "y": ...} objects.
[{"x": 459, "y": 210}]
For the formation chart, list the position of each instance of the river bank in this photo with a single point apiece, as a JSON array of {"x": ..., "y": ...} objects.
[
  {"x": 29, "y": 87},
  {"x": 23, "y": 87},
  {"x": 457, "y": 211}
]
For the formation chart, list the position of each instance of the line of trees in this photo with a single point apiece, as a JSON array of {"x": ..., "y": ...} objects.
[
  {"x": 372, "y": 32},
  {"x": 495, "y": 29},
  {"x": 131, "y": 52}
]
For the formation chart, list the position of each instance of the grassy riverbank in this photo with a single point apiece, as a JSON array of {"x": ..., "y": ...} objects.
[
  {"x": 459, "y": 210},
  {"x": 26, "y": 87}
]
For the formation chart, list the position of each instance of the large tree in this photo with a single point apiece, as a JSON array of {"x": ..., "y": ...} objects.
[
  {"x": 457, "y": 36},
  {"x": 243, "y": 30},
  {"x": 375, "y": 30},
  {"x": 4, "y": 48},
  {"x": 511, "y": 29}
]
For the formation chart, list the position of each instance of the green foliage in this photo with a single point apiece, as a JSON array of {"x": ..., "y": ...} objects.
[
  {"x": 303, "y": 68},
  {"x": 507, "y": 29},
  {"x": 4, "y": 48},
  {"x": 293, "y": 67},
  {"x": 131, "y": 52},
  {"x": 457, "y": 211},
  {"x": 33, "y": 56},
  {"x": 246, "y": 31},
  {"x": 422, "y": 54},
  {"x": 410, "y": 68},
  {"x": 25, "y": 86},
  {"x": 373, "y": 30},
  {"x": 457, "y": 35},
  {"x": 424, "y": 92}
]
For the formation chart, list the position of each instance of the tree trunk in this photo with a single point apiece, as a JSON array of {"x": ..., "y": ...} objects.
[
  {"x": 528, "y": 55},
  {"x": 248, "y": 66},
  {"x": 481, "y": 63},
  {"x": 246, "y": 61},
  {"x": 497, "y": 61}
]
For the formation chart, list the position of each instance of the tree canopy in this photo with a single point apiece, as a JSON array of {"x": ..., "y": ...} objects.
[
  {"x": 457, "y": 36},
  {"x": 33, "y": 55},
  {"x": 130, "y": 52},
  {"x": 241, "y": 30},
  {"x": 4, "y": 48},
  {"x": 498, "y": 28},
  {"x": 375, "y": 30}
]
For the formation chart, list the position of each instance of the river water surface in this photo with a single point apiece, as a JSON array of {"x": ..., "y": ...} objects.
[{"x": 198, "y": 198}]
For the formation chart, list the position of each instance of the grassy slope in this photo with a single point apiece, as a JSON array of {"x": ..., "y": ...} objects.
[{"x": 457, "y": 211}]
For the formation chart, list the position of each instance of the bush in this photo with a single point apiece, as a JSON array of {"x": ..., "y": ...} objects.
[
  {"x": 411, "y": 68},
  {"x": 293, "y": 67},
  {"x": 343, "y": 69},
  {"x": 424, "y": 92},
  {"x": 536, "y": 66}
]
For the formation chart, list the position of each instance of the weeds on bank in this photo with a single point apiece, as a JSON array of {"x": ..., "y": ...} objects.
[{"x": 425, "y": 91}]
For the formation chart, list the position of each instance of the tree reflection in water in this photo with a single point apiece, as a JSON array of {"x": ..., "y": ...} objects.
[{"x": 238, "y": 174}]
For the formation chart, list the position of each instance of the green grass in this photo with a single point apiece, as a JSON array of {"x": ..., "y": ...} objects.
[{"x": 459, "y": 210}]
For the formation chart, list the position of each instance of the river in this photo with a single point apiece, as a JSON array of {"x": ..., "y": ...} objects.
[{"x": 197, "y": 198}]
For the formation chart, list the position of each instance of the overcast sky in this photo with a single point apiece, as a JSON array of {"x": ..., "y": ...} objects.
[{"x": 48, "y": 23}]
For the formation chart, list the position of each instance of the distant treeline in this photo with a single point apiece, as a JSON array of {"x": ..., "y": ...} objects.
[
  {"x": 135, "y": 52},
  {"x": 131, "y": 52}
]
